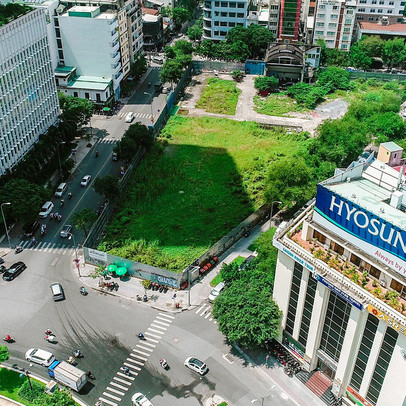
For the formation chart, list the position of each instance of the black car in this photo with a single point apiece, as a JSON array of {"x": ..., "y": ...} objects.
[
  {"x": 31, "y": 229},
  {"x": 14, "y": 271}
]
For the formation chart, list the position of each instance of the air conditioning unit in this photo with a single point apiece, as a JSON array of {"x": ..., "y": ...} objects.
[
  {"x": 382, "y": 283},
  {"x": 385, "y": 20}
]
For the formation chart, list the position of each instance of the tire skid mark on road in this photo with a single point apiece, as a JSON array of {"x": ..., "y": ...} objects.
[{"x": 138, "y": 356}]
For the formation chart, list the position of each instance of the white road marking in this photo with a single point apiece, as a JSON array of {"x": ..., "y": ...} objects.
[
  {"x": 149, "y": 344},
  {"x": 127, "y": 364},
  {"x": 155, "y": 331},
  {"x": 125, "y": 376},
  {"x": 207, "y": 315},
  {"x": 138, "y": 356},
  {"x": 111, "y": 396},
  {"x": 115, "y": 391},
  {"x": 144, "y": 348},
  {"x": 141, "y": 352},
  {"x": 152, "y": 335},
  {"x": 161, "y": 318},
  {"x": 166, "y": 315},
  {"x": 135, "y": 361},
  {"x": 158, "y": 326},
  {"x": 122, "y": 381},
  {"x": 118, "y": 386},
  {"x": 161, "y": 322},
  {"x": 108, "y": 402}
]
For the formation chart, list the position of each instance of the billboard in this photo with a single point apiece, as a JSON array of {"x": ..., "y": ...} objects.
[{"x": 369, "y": 232}]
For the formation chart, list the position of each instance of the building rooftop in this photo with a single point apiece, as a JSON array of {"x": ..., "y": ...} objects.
[
  {"x": 150, "y": 18},
  {"x": 90, "y": 82},
  {"x": 391, "y": 146},
  {"x": 64, "y": 70},
  {"x": 150, "y": 11},
  {"x": 391, "y": 28}
]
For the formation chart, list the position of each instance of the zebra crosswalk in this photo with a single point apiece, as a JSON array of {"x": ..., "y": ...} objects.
[
  {"x": 48, "y": 247},
  {"x": 122, "y": 382},
  {"x": 205, "y": 312},
  {"x": 122, "y": 114}
]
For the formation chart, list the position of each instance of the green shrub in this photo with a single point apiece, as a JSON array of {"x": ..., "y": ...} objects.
[
  {"x": 37, "y": 391},
  {"x": 4, "y": 354},
  {"x": 266, "y": 83}
]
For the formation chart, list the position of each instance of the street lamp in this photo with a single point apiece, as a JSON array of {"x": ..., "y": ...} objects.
[
  {"x": 276, "y": 201},
  {"x": 152, "y": 114},
  {"x": 76, "y": 253},
  {"x": 263, "y": 397},
  {"x": 4, "y": 220}
]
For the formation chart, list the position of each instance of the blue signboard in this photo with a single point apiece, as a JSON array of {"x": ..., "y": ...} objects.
[
  {"x": 361, "y": 223},
  {"x": 339, "y": 292}
]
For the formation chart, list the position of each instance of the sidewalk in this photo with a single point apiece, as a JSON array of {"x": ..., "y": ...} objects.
[{"x": 131, "y": 287}]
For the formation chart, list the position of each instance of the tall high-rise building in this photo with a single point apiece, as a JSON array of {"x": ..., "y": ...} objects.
[
  {"x": 289, "y": 20},
  {"x": 28, "y": 96}
]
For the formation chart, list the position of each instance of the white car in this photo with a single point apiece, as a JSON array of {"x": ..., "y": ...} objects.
[
  {"x": 41, "y": 357},
  {"x": 140, "y": 400},
  {"x": 46, "y": 209},
  {"x": 216, "y": 291},
  {"x": 85, "y": 181},
  {"x": 129, "y": 117},
  {"x": 196, "y": 365}
]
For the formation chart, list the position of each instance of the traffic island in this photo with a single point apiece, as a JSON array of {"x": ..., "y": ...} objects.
[{"x": 216, "y": 400}]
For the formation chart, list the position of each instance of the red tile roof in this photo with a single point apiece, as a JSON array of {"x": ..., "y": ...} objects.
[
  {"x": 379, "y": 27},
  {"x": 151, "y": 11}
]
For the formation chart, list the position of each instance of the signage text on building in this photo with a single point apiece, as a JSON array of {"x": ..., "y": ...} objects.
[{"x": 388, "y": 320}]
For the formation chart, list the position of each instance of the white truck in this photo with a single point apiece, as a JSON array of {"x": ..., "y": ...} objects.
[{"x": 67, "y": 375}]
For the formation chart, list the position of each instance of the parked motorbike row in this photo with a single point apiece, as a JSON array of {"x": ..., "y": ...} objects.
[
  {"x": 111, "y": 286},
  {"x": 278, "y": 351},
  {"x": 157, "y": 286}
]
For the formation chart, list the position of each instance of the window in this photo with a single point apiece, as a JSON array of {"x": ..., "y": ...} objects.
[
  {"x": 223, "y": 23},
  {"x": 373, "y": 2},
  {"x": 223, "y": 14},
  {"x": 59, "y": 42},
  {"x": 216, "y": 33},
  {"x": 307, "y": 310},
  {"x": 216, "y": 23},
  {"x": 344, "y": 46},
  {"x": 58, "y": 32},
  {"x": 389, "y": 11},
  {"x": 322, "y": 7},
  {"x": 98, "y": 98},
  {"x": 294, "y": 296},
  {"x": 75, "y": 94},
  {"x": 60, "y": 54},
  {"x": 350, "y": 12},
  {"x": 217, "y": 4},
  {"x": 240, "y": 5},
  {"x": 355, "y": 260},
  {"x": 335, "y": 7},
  {"x": 216, "y": 13},
  {"x": 232, "y": 15},
  {"x": 321, "y": 15},
  {"x": 224, "y": 4},
  {"x": 379, "y": 10},
  {"x": 232, "y": 5},
  {"x": 319, "y": 32},
  {"x": 334, "y": 16},
  {"x": 370, "y": 18},
  {"x": 362, "y": 1},
  {"x": 87, "y": 96},
  {"x": 398, "y": 287},
  {"x": 391, "y": 3},
  {"x": 332, "y": 25},
  {"x": 223, "y": 33},
  {"x": 337, "y": 248},
  {"x": 319, "y": 24},
  {"x": 381, "y": 2},
  {"x": 347, "y": 29},
  {"x": 372, "y": 11},
  {"x": 231, "y": 24},
  {"x": 240, "y": 15},
  {"x": 331, "y": 33}
]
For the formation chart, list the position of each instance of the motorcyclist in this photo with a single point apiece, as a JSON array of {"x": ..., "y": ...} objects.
[
  {"x": 140, "y": 335},
  {"x": 127, "y": 371},
  {"x": 96, "y": 154},
  {"x": 7, "y": 337},
  {"x": 69, "y": 195},
  {"x": 62, "y": 202}
]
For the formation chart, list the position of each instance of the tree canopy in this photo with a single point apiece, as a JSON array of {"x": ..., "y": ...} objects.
[
  {"x": 76, "y": 112},
  {"x": 107, "y": 187},
  {"x": 84, "y": 219}
]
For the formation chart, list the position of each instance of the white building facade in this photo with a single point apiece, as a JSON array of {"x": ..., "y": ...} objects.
[
  {"x": 379, "y": 10},
  {"x": 90, "y": 43},
  {"x": 334, "y": 22},
  {"x": 219, "y": 17},
  {"x": 28, "y": 96},
  {"x": 341, "y": 284}
]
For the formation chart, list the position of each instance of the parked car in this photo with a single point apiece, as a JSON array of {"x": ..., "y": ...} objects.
[
  {"x": 14, "y": 271},
  {"x": 129, "y": 117},
  {"x": 46, "y": 209},
  {"x": 85, "y": 181},
  {"x": 41, "y": 357},
  {"x": 158, "y": 59},
  {"x": 66, "y": 230},
  {"x": 196, "y": 365},
  {"x": 216, "y": 291},
  {"x": 31, "y": 228},
  {"x": 139, "y": 399}
]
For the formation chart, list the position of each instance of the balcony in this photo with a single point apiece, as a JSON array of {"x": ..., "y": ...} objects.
[{"x": 352, "y": 279}]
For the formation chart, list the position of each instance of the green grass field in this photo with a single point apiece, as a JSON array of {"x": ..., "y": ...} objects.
[
  {"x": 276, "y": 104},
  {"x": 219, "y": 96},
  {"x": 186, "y": 196}
]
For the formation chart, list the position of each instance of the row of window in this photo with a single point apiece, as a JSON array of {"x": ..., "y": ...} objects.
[
  {"x": 226, "y": 4},
  {"x": 379, "y": 10},
  {"x": 208, "y": 14},
  {"x": 390, "y": 3}
]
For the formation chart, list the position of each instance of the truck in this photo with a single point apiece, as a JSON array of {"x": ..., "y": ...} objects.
[{"x": 67, "y": 375}]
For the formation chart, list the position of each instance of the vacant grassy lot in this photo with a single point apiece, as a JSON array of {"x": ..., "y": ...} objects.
[
  {"x": 276, "y": 104},
  {"x": 219, "y": 96},
  {"x": 188, "y": 194}
]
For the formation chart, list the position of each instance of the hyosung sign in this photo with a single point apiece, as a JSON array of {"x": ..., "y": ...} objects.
[{"x": 374, "y": 235}]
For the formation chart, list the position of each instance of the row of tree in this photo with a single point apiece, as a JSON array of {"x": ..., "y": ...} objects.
[{"x": 364, "y": 53}]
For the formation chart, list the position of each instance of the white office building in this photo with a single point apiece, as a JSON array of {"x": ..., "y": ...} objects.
[
  {"x": 219, "y": 17},
  {"x": 28, "y": 96},
  {"x": 90, "y": 43},
  {"x": 334, "y": 22},
  {"x": 387, "y": 11},
  {"x": 341, "y": 283}
]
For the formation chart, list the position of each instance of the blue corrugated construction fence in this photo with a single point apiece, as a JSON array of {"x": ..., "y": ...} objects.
[{"x": 255, "y": 67}]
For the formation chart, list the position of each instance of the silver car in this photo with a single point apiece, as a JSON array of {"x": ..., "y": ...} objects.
[
  {"x": 66, "y": 230},
  {"x": 196, "y": 365}
]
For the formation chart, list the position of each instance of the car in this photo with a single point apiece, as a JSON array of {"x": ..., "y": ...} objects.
[
  {"x": 196, "y": 365},
  {"x": 31, "y": 228},
  {"x": 66, "y": 230},
  {"x": 44, "y": 358},
  {"x": 46, "y": 209},
  {"x": 166, "y": 90},
  {"x": 139, "y": 399},
  {"x": 85, "y": 181},
  {"x": 216, "y": 291},
  {"x": 14, "y": 271},
  {"x": 129, "y": 117}
]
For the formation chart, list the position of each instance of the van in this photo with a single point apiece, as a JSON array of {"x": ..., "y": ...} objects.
[
  {"x": 57, "y": 291},
  {"x": 46, "y": 209},
  {"x": 61, "y": 190}
]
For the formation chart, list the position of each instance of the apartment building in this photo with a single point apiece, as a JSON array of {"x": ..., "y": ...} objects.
[
  {"x": 219, "y": 17},
  {"x": 289, "y": 20},
  {"x": 334, "y": 22},
  {"x": 374, "y": 10},
  {"x": 341, "y": 283},
  {"x": 28, "y": 96}
]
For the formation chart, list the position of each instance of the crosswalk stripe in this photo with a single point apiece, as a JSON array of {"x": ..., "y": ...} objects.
[
  {"x": 139, "y": 357},
  {"x": 215, "y": 322},
  {"x": 111, "y": 396},
  {"x": 152, "y": 335},
  {"x": 207, "y": 315},
  {"x": 144, "y": 348},
  {"x": 125, "y": 376},
  {"x": 211, "y": 318},
  {"x": 204, "y": 307},
  {"x": 155, "y": 331},
  {"x": 118, "y": 386},
  {"x": 149, "y": 344},
  {"x": 158, "y": 326},
  {"x": 166, "y": 315},
  {"x": 135, "y": 361},
  {"x": 141, "y": 352},
  {"x": 166, "y": 320},
  {"x": 122, "y": 381},
  {"x": 127, "y": 364},
  {"x": 161, "y": 322},
  {"x": 108, "y": 402},
  {"x": 115, "y": 391}
]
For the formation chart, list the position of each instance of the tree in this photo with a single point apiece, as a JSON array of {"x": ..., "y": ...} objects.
[
  {"x": 372, "y": 45},
  {"x": 140, "y": 134},
  {"x": 183, "y": 60},
  {"x": 258, "y": 38},
  {"x": 237, "y": 75},
  {"x": 334, "y": 78},
  {"x": 246, "y": 313},
  {"x": 336, "y": 57},
  {"x": 266, "y": 83},
  {"x": 289, "y": 180},
  {"x": 170, "y": 52},
  {"x": 207, "y": 48},
  {"x": 183, "y": 47},
  {"x": 126, "y": 149},
  {"x": 107, "y": 186},
  {"x": 171, "y": 71},
  {"x": 359, "y": 58},
  {"x": 387, "y": 126},
  {"x": 394, "y": 52},
  {"x": 195, "y": 33},
  {"x": 238, "y": 33},
  {"x": 180, "y": 15},
  {"x": 67, "y": 165},
  {"x": 76, "y": 112},
  {"x": 84, "y": 219},
  {"x": 26, "y": 198},
  {"x": 139, "y": 67}
]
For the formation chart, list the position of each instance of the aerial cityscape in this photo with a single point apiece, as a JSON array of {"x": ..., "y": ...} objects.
[{"x": 203, "y": 203}]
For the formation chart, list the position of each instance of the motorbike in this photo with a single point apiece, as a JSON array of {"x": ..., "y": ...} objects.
[
  {"x": 18, "y": 249},
  {"x": 163, "y": 363},
  {"x": 90, "y": 375},
  {"x": 141, "y": 337},
  {"x": 69, "y": 195},
  {"x": 83, "y": 291},
  {"x": 43, "y": 230},
  {"x": 72, "y": 361},
  {"x": 78, "y": 354},
  {"x": 8, "y": 339},
  {"x": 51, "y": 339},
  {"x": 62, "y": 202},
  {"x": 126, "y": 370}
]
